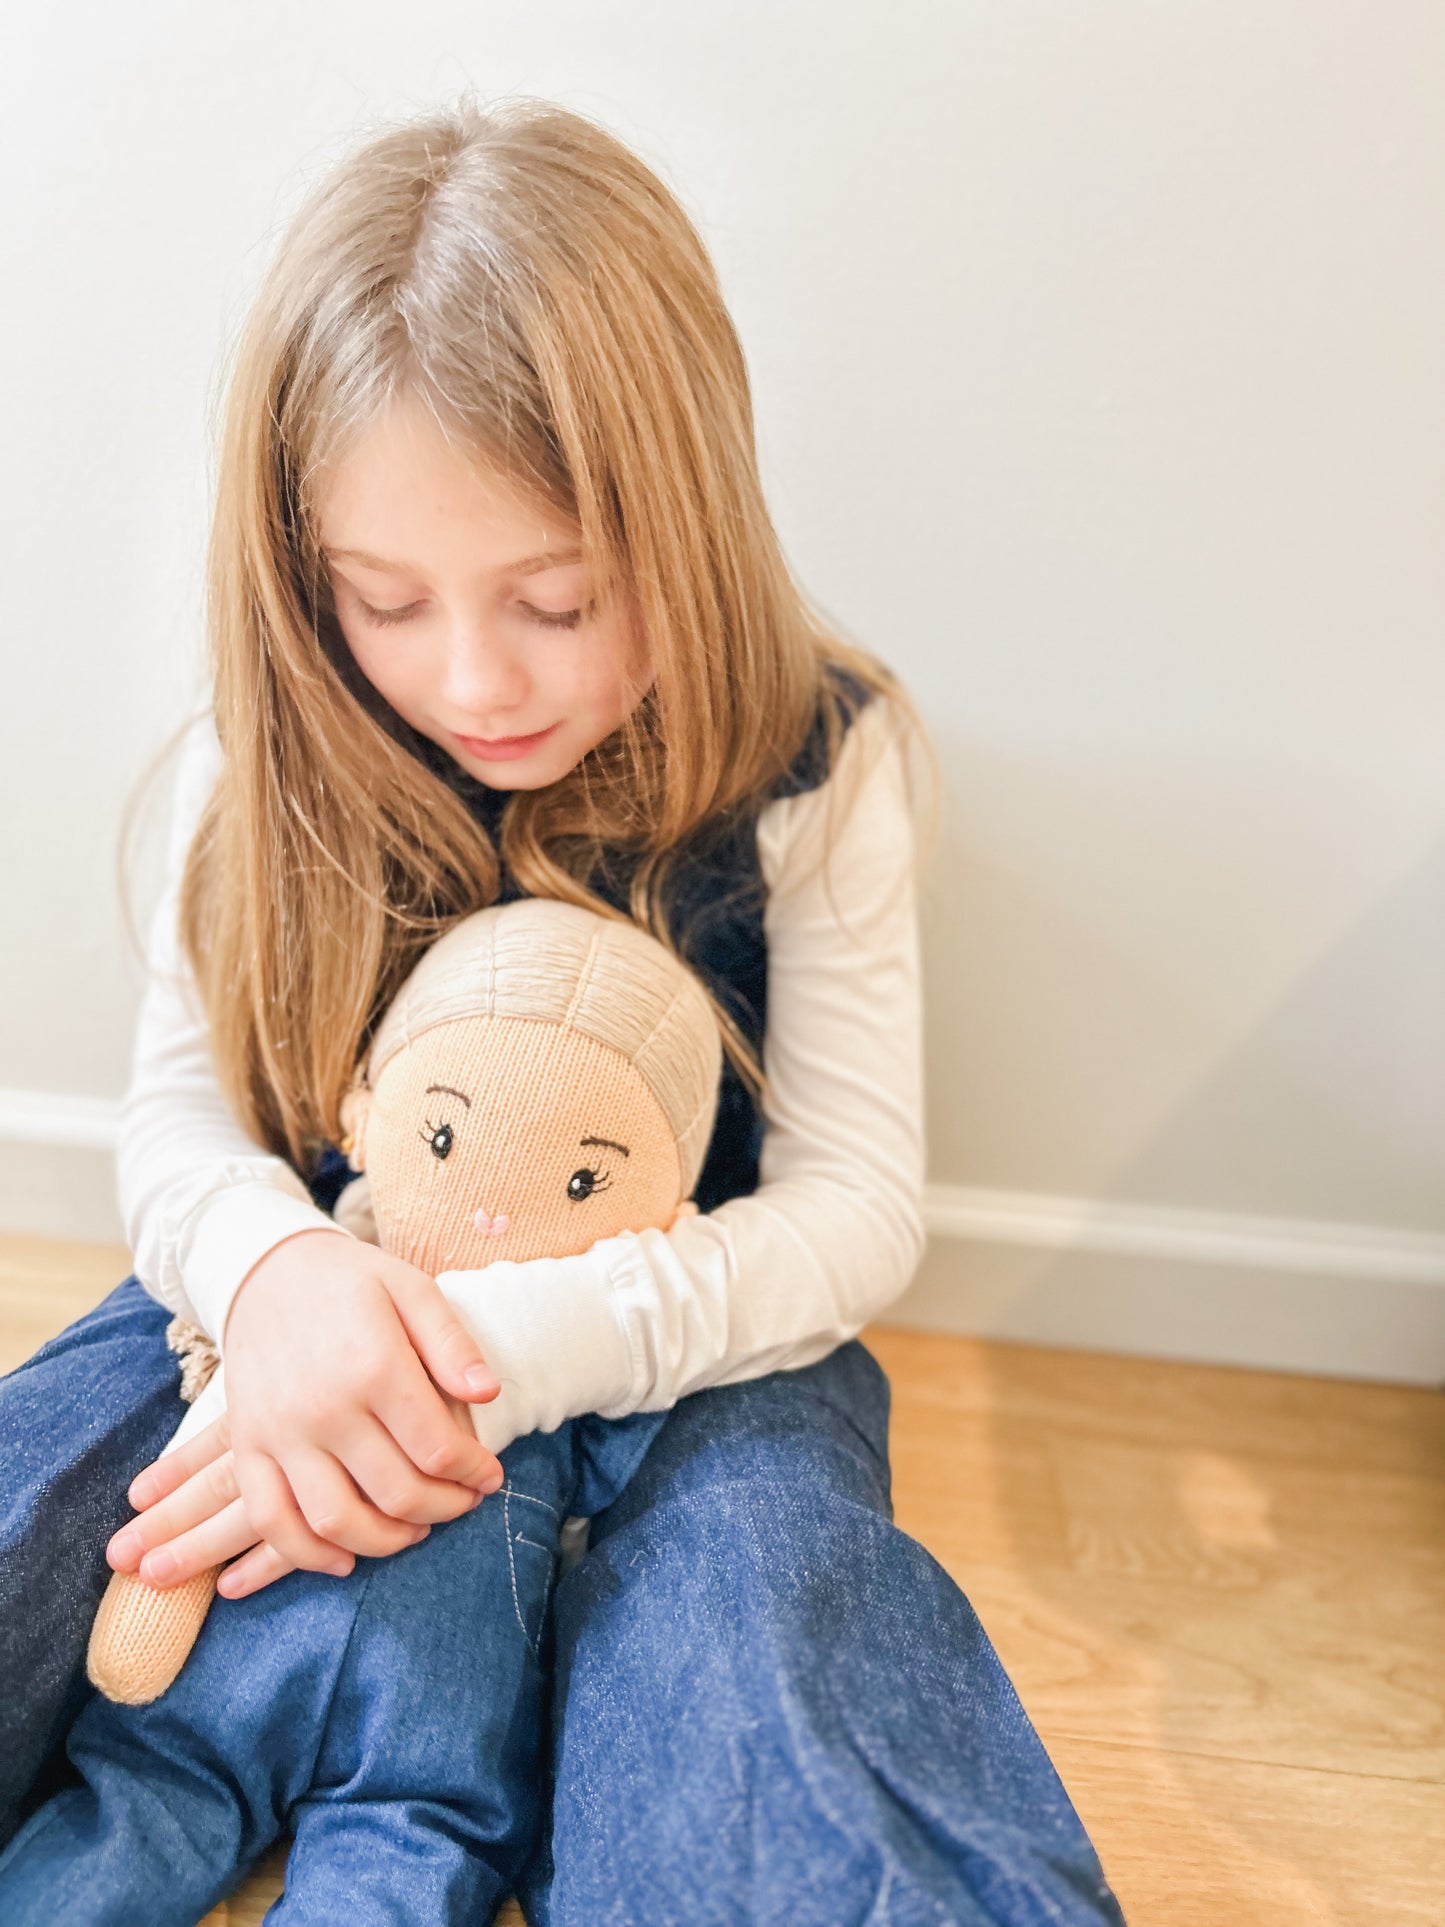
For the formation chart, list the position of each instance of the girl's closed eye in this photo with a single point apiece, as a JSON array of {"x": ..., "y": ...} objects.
[
  {"x": 546, "y": 617},
  {"x": 383, "y": 618},
  {"x": 554, "y": 618}
]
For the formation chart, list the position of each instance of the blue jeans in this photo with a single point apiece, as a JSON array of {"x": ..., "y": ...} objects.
[{"x": 753, "y": 1700}]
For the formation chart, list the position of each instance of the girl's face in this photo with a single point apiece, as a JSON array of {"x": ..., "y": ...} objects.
[{"x": 470, "y": 610}]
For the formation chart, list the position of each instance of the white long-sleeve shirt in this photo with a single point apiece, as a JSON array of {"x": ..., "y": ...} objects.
[{"x": 831, "y": 1235}]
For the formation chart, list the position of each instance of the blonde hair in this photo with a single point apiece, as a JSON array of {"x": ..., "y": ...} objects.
[
  {"x": 557, "y": 963},
  {"x": 522, "y": 274}
]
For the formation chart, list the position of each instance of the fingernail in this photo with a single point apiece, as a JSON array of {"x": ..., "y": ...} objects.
[
  {"x": 493, "y": 1481},
  {"x": 141, "y": 1487},
  {"x": 341, "y": 1570},
  {"x": 481, "y": 1380},
  {"x": 157, "y": 1567},
  {"x": 125, "y": 1545}
]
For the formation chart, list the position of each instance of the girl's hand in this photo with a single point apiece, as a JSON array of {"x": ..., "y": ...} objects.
[
  {"x": 340, "y": 1441},
  {"x": 193, "y": 1517}
]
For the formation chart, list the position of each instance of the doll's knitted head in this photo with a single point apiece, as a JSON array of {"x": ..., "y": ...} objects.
[{"x": 544, "y": 1078}]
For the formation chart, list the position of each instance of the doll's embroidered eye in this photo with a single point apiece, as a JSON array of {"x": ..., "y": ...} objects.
[
  {"x": 439, "y": 1137},
  {"x": 583, "y": 1183}
]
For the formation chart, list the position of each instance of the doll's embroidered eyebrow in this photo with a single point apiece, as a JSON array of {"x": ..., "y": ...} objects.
[
  {"x": 450, "y": 1093},
  {"x": 611, "y": 1143}
]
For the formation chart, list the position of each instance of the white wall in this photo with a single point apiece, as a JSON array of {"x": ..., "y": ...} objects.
[{"x": 1097, "y": 355}]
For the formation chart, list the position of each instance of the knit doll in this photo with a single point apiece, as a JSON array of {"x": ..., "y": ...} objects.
[{"x": 545, "y": 1077}]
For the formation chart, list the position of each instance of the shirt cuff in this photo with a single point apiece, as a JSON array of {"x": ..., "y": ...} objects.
[
  {"x": 550, "y": 1330},
  {"x": 234, "y": 1232}
]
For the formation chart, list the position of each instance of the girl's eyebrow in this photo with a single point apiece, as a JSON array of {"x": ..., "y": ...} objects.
[
  {"x": 529, "y": 564},
  {"x": 450, "y": 1093},
  {"x": 611, "y": 1144}
]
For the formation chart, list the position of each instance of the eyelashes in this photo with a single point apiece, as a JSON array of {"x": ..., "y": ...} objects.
[
  {"x": 544, "y": 618},
  {"x": 385, "y": 618},
  {"x": 585, "y": 1183}
]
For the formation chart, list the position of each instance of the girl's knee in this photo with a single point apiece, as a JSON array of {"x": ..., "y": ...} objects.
[{"x": 728, "y": 1451}]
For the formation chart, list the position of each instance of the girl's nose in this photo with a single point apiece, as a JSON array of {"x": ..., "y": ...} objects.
[
  {"x": 484, "y": 680},
  {"x": 490, "y": 1227}
]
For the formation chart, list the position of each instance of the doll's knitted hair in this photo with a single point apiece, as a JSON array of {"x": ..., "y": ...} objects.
[{"x": 561, "y": 964}]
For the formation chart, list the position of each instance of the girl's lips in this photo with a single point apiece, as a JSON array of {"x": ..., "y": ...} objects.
[{"x": 500, "y": 749}]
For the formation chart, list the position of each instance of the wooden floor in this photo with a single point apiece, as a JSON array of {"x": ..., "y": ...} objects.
[{"x": 1220, "y": 1594}]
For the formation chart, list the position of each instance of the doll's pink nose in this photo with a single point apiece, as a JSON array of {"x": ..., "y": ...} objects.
[{"x": 491, "y": 1227}]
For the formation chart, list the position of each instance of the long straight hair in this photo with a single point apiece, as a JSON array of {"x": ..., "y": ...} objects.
[{"x": 522, "y": 275}]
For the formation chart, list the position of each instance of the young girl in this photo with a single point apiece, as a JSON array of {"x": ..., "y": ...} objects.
[{"x": 497, "y": 610}]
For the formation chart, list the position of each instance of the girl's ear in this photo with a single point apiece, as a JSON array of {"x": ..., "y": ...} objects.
[{"x": 355, "y": 1109}]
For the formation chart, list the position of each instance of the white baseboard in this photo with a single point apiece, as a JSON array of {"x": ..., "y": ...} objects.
[
  {"x": 1289, "y": 1294},
  {"x": 1306, "y": 1245},
  {"x": 55, "y": 1117},
  {"x": 1281, "y": 1294}
]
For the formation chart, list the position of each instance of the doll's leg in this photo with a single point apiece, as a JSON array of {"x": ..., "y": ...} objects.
[
  {"x": 77, "y": 1422},
  {"x": 426, "y": 1793},
  {"x": 771, "y": 1705}
]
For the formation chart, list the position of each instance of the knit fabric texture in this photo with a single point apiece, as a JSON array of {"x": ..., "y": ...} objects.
[
  {"x": 561, "y": 964},
  {"x": 142, "y": 1636}
]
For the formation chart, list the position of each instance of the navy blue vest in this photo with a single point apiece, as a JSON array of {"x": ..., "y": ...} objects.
[{"x": 714, "y": 907}]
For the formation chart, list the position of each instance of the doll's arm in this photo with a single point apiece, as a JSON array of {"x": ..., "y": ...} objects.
[
  {"x": 835, "y": 1229},
  {"x": 201, "y": 1201}
]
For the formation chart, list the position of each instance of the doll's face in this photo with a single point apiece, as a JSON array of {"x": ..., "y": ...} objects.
[{"x": 503, "y": 1137}]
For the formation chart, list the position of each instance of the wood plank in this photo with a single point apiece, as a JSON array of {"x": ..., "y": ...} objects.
[
  {"x": 1189, "y": 1841},
  {"x": 1157, "y": 1572},
  {"x": 45, "y": 1285}
]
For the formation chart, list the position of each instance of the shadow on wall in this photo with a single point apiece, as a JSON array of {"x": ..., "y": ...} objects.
[{"x": 1179, "y": 1059}]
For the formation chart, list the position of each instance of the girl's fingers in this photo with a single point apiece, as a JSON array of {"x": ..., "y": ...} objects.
[
  {"x": 210, "y": 1544},
  {"x": 441, "y": 1341},
  {"x": 172, "y": 1469},
  {"x": 387, "y": 1477},
  {"x": 258, "y": 1568},
  {"x": 275, "y": 1514},
  {"x": 337, "y": 1514},
  {"x": 206, "y": 1494},
  {"x": 434, "y": 1432}
]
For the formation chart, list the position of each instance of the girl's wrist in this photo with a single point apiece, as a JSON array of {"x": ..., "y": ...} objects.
[
  {"x": 237, "y": 1229},
  {"x": 263, "y": 1268}
]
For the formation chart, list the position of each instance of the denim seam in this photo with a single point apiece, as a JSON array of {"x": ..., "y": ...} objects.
[
  {"x": 509, "y": 1490},
  {"x": 512, "y": 1569}
]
